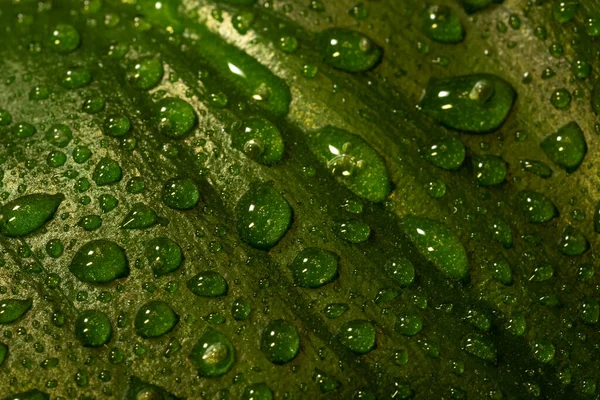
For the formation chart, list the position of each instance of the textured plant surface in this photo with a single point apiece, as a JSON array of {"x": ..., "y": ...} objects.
[{"x": 295, "y": 198}]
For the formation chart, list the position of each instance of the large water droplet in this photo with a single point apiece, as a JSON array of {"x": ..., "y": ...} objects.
[
  {"x": 472, "y": 103},
  {"x": 154, "y": 319},
  {"x": 25, "y": 214},
  {"x": 280, "y": 342},
  {"x": 566, "y": 147},
  {"x": 314, "y": 267},
  {"x": 13, "y": 309},
  {"x": 93, "y": 328},
  {"x": 213, "y": 354},
  {"x": 99, "y": 261},
  {"x": 259, "y": 139}
]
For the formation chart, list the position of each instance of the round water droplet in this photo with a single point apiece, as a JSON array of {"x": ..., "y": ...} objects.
[
  {"x": 400, "y": 270},
  {"x": 280, "y": 342},
  {"x": 314, "y": 267},
  {"x": 180, "y": 194},
  {"x": 208, "y": 284},
  {"x": 564, "y": 10},
  {"x": 56, "y": 159},
  {"x": 117, "y": 126},
  {"x": 99, "y": 261},
  {"x": 107, "y": 172},
  {"x": 146, "y": 73},
  {"x": 154, "y": 319},
  {"x": 543, "y": 350},
  {"x": 447, "y": 153},
  {"x": 257, "y": 391},
  {"x": 572, "y": 242},
  {"x": 263, "y": 216},
  {"x": 259, "y": 139},
  {"x": 64, "y": 38},
  {"x": 489, "y": 170},
  {"x": 93, "y": 105},
  {"x": 93, "y": 328},
  {"x": 164, "y": 255},
  {"x": 23, "y": 130},
  {"x": 409, "y": 324},
  {"x": 59, "y": 135},
  {"x": 213, "y": 354},
  {"x": 442, "y": 24},
  {"x": 358, "y": 336},
  {"x": 176, "y": 117},
  {"x": 240, "y": 309}
]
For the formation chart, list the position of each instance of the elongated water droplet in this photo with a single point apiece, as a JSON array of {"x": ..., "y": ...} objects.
[
  {"x": 99, "y": 261},
  {"x": 349, "y": 50},
  {"x": 140, "y": 216},
  {"x": 537, "y": 207},
  {"x": 472, "y": 103},
  {"x": 75, "y": 78},
  {"x": 13, "y": 309},
  {"x": 480, "y": 347},
  {"x": 32, "y": 394},
  {"x": 353, "y": 162},
  {"x": 438, "y": 244},
  {"x": 538, "y": 168},
  {"x": 409, "y": 324},
  {"x": 263, "y": 216},
  {"x": 26, "y": 214},
  {"x": 447, "y": 153},
  {"x": 566, "y": 147},
  {"x": 208, "y": 284}
]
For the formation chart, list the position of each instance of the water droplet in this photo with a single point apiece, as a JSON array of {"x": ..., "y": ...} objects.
[
  {"x": 117, "y": 126},
  {"x": 358, "y": 336},
  {"x": 259, "y": 139},
  {"x": 146, "y": 73},
  {"x": 93, "y": 328},
  {"x": 438, "y": 244},
  {"x": 13, "y": 309},
  {"x": 75, "y": 78},
  {"x": 335, "y": 310},
  {"x": 93, "y": 105},
  {"x": 280, "y": 342},
  {"x": 538, "y": 168},
  {"x": 164, "y": 255},
  {"x": 176, "y": 117},
  {"x": 180, "y": 193},
  {"x": 107, "y": 172},
  {"x": 208, "y": 284},
  {"x": 26, "y": 214},
  {"x": 64, "y": 38},
  {"x": 566, "y": 147},
  {"x": 240, "y": 309},
  {"x": 41, "y": 92},
  {"x": 213, "y": 354},
  {"x": 565, "y": 10},
  {"x": 480, "y": 347},
  {"x": 543, "y": 350},
  {"x": 536, "y": 207},
  {"x": 154, "y": 319},
  {"x": 59, "y": 135},
  {"x": 472, "y": 103},
  {"x": 107, "y": 202},
  {"x": 560, "y": 99},
  {"x": 447, "y": 153},
  {"x": 400, "y": 270},
  {"x": 572, "y": 242},
  {"x": 349, "y": 50},
  {"x": 140, "y": 216},
  {"x": 489, "y": 170},
  {"x": 242, "y": 21},
  {"x": 352, "y": 231},
  {"x": 353, "y": 162},
  {"x": 314, "y": 267},
  {"x": 56, "y": 159},
  {"x": 23, "y": 130},
  {"x": 263, "y": 216},
  {"x": 409, "y": 324},
  {"x": 5, "y": 117},
  {"x": 442, "y": 24},
  {"x": 90, "y": 222},
  {"x": 257, "y": 391},
  {"x": 99, "y": 261}
]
